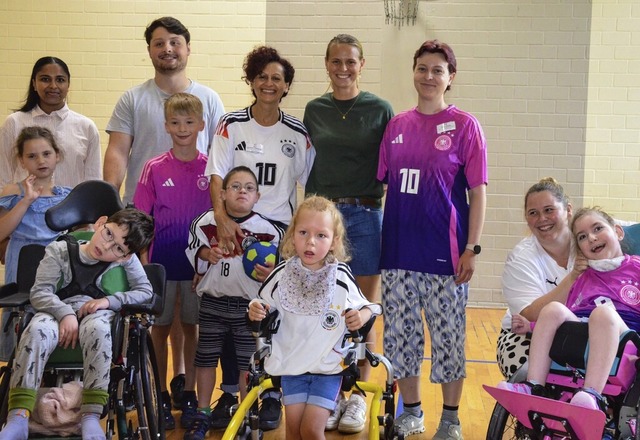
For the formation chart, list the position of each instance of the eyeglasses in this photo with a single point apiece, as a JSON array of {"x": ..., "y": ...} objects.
[
  {"x": 107, "y": 235},
  {"x": 236, "y": 187}
]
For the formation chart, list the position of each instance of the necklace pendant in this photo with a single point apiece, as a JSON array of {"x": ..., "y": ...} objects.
[{"x": 344, "y": 117}]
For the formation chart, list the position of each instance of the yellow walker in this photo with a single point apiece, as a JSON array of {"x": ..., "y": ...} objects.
[{"x": 244, "y": 423}]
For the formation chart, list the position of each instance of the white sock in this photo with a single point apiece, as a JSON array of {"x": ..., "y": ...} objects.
[
  {"x": 17, "y": 427},
  {"x": 91, "y": 428}
]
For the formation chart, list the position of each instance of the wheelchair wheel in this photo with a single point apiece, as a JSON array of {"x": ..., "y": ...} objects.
[
  {"x": 151, "y": 388},
  {"x": 5, "y": 378},
  {"x": 147, "y": 391},
  {"x": 503, "y": 425}
]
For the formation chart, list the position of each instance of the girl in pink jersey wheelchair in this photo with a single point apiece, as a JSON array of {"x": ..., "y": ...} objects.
[{"x": 595, "y": 402}]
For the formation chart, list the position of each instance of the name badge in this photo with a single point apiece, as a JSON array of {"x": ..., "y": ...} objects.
[
  {"x": 256, "y": 148},
  {"x": 447, "y": 126}
]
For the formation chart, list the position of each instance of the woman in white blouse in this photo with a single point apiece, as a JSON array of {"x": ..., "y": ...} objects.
[{"x": 46, "y": 106}]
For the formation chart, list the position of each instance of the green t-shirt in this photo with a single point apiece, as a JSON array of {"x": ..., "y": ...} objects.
[{"x": 347, "y": 148}]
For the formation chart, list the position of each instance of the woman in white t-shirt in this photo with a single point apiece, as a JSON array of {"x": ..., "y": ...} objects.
[{"x": 539, "y": 269}]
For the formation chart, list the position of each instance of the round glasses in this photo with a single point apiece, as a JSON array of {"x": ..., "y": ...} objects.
[
  {"x": 249, "y": 187},
  {"x": 107, "y": 235}
]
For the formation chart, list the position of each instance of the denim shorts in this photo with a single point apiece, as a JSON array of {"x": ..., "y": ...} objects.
[
  {"x": 364, "y": 228},
  {"x": 312, "y": 389}
]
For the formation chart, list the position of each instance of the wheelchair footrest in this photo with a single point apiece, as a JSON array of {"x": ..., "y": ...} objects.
[{"x": 556, "y": 416}]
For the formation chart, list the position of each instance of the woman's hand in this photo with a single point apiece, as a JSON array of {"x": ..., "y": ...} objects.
[
  {"x": 68, "y": 331},
  {"x": 258, "y": 310},
  {"x": 466, "y": 267},
  {"x": 228, "y": 231}
]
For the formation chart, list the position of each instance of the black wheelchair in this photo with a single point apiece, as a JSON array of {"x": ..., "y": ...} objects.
[
  {"x": 134, "y": 409},
  {"x": 245, "y": 422}
]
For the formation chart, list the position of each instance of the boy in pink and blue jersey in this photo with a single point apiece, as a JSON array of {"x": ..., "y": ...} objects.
[{"x": 174, "y": 190}]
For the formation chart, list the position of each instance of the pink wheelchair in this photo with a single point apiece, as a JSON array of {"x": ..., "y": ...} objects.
[{"x": 551, "y": 417}]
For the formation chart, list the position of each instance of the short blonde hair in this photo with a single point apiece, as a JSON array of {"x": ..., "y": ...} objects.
[
  {"x": 319, "y": 204},
  {"x": 183, "y": 104}
]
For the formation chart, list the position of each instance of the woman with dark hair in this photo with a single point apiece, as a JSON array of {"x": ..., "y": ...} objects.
[
  {"x": 433, "y": 159},
  {"x": 277, "y": 148},
  {"x": 46, "y": 106},
  {"x": 273, "y": 144}
]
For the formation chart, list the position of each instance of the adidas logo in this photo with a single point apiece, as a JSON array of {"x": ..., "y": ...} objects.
[
  {"x": 242, "y": 146},
  {"x": 397, "y": 140},
  {"x": 168, "y": 182}
]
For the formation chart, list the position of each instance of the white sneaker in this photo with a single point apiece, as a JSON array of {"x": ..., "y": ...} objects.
[
  {"x": 448, "y": 431},
  {"x": 355, "y": 415},
  {"x": 334, "y": 418},
  {"x": 409, "y": 424}
]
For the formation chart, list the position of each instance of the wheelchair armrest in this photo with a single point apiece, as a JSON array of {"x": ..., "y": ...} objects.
[
  {"x": 153, "y": 307},
  {"x": 11, "y": 297},
  {"x": 8, "y": 289}
]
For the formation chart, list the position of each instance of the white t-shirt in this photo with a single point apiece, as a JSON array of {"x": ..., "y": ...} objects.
[
  {"x": 140, "y": 113},
  {"x": 76, "y": 135},
  {"x": 279, "y": 155},
  {"x": 529, "y": 273}
]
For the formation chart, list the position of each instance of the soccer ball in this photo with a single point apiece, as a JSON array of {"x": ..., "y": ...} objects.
[{"x": 260, "y": 252}]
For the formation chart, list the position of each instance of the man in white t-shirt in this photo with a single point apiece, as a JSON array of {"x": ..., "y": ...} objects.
[{"x": 136, "y": 128}]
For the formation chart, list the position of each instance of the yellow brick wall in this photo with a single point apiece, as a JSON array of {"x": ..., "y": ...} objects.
[{"x": 555, "y": 83}]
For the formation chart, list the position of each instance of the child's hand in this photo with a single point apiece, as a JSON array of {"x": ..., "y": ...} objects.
[
  {"x": 262, "y": 272},
  {"x": 68, "y": 331},
  {"x": 580, "y": 265},
  {"x": 354, "y": 319},
  {"x": 93, "y": 306},
  {"x": 215, "y": 254},
  {"x": 196, "y": 280},
  {"x": 520, "y": 325},
  {"x": 258, "y": 310},
  {"x": 30, "y": 191}
]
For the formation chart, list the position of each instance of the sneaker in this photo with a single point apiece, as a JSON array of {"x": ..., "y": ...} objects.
[
  {"x": 189, "y": 412},
  {"x": 448, "y": 430},
  {"x": 177, "y": 390},
  {"x": 270, "y": 413},
  {"x": 589, "y": 398},
  {"x": 355, "y": 415},
  {"x": 409, "y": 424},
  {"x": 221, "y": 413},
  {"x": 199, "y": 427},
  {"x": 334, "y": 418},
  {"x": 522, "y": 388},
  {"x": 169, "y": 421}
]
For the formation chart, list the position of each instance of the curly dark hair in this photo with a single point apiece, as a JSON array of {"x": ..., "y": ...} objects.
[{"x": 257, "y": 60}]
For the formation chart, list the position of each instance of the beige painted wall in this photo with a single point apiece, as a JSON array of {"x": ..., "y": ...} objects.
[{"x": 555, "y": 83}]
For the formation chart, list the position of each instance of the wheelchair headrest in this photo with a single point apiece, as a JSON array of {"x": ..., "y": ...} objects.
[
  {"x": 631, "y": 241},
  {"x": 85, "y": 204}
]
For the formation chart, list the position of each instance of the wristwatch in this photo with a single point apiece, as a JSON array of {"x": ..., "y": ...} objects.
[{"x": 475, "y": 248}]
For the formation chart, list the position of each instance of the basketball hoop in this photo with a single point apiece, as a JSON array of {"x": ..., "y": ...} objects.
[{"x": 400, "y": 12}]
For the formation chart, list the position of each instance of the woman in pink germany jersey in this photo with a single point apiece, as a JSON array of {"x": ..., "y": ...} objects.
[{"x": 434, "y": 160}]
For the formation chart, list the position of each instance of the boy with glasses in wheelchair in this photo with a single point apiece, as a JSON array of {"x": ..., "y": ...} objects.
[{"x": 68, "y": 314}]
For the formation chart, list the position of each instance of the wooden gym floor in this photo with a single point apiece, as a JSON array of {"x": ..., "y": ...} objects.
[{"x": 483, "y": 327}]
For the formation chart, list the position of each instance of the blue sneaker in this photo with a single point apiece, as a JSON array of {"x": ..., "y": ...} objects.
[
  {"x": 189, "y": 412},
  {"x": 167, "y": 417},
  {"x": 199, "y": 427}
]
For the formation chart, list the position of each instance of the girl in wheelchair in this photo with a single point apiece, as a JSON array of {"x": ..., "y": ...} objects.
[
  {"x": 318, "y": 301},
  {"x": 78, "y": 318},
  {"x": 607, "y": 294}
]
